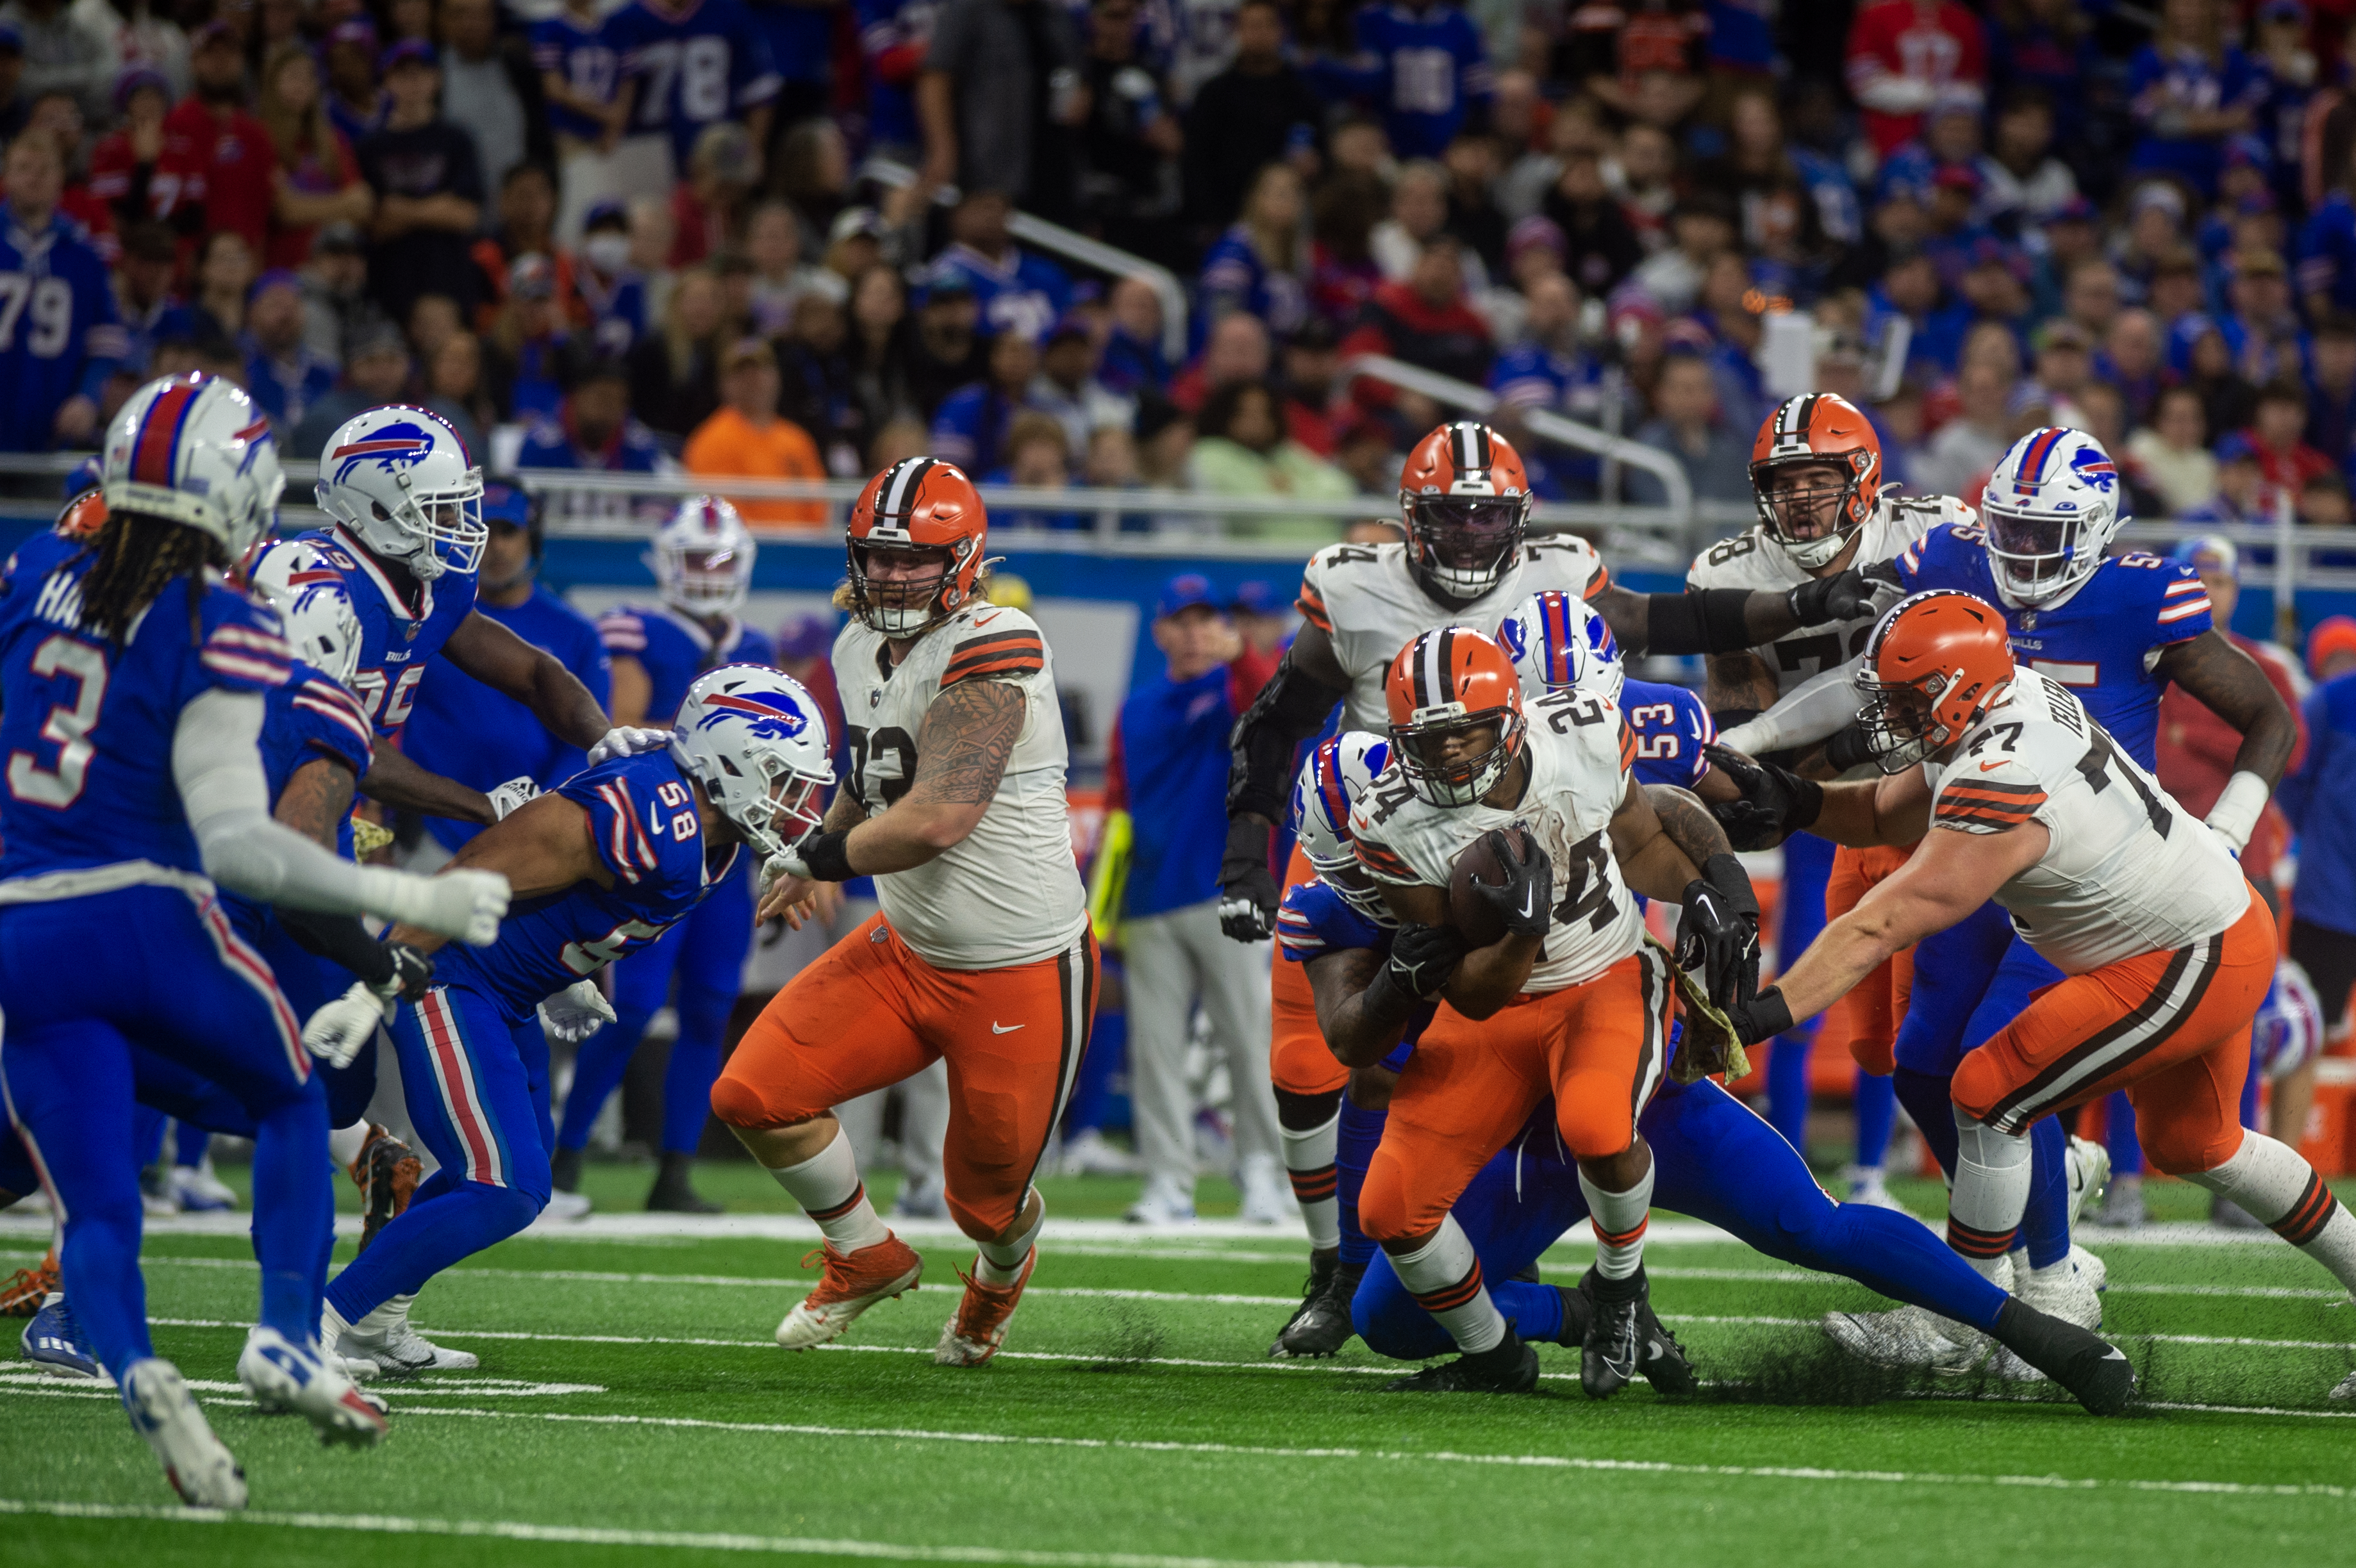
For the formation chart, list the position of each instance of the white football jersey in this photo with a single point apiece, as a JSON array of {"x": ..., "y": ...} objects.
[
  {"x": 1368, "y": 602},
  {"x": 1754, "y": 560},
  {"x": 1579, "y": 750},
  {"x": 1009, "y": 893},
  {"x": 2128, "y": 870}
]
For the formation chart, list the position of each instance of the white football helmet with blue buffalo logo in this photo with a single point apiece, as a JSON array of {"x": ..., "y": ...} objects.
[
  {"x": 703, "y": 557},
  {"x": 195, "y": 450},
  {"x": 323, "y": 627},
  {"x": 1338, "y": 771},
  {"x": 2050, "y": 510},
  {"x": 1556, "y": 640},
  {"x": 756, "y": 741},
  {"x": 401, "y": 480}
]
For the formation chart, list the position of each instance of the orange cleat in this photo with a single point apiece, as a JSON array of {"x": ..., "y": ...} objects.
[
  {"x": 22, "y": 1293},
  {"x": 978, "y": 1327},
  {"x": 854, "y": 1283}
]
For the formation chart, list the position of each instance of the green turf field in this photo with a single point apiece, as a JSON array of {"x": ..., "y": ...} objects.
[{"x": 632, "y": 1407}]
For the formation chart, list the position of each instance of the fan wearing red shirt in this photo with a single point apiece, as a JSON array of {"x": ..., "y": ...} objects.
[
  {"x": 2277, "y": 435},
  {"x": 1902, "y": 53},
  {"x": 1425, "y": 322},
  {"x": 212, "y": 130},
  {"x": 136, "y": 170}
]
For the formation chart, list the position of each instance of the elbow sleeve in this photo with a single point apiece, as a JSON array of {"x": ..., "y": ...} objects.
[
  {"x": 1290, "y": 707},
  {"x": 1699, "y": 621}
]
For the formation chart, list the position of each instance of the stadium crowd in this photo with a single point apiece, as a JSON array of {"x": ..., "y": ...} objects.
[{"x": 773, "y": 239}]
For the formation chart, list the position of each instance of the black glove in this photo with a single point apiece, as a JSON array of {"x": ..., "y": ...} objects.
[
  {"x": 1762, "y": 1016},
  {"x": 1424, "y": 958},
  {"x": 1525, "y": 899},
  {"x": 1720, "y": 932},
  {"x": 1776, "y": 802},
  {"x": 1850, "y": 595},
  {"x": 1849, "y": 746},
  {"x": 1247, "y": 892},
  {"x": 412, "y": 972}
]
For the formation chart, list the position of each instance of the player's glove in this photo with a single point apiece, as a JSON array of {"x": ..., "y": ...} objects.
[
  {"x": 508, "y": 797},
  {"x": 1247, "y": 892},
  {"x": 1424, "y": 959},
  {"x": 1720, "y": 932},
  {"x": 412, "y": 972},
  {"x": 576, "y": 1012},
  {"x": 1525, "y": 899},
  {"x": 1776, "y": 802},
  {"x": 626, "y": 741},
  {"x": 1844, "y": 596},
  {"x": 336, "y": 1032},
  {"x": 464, "y": 906},
  {"x": 1762, "y": 1016}
]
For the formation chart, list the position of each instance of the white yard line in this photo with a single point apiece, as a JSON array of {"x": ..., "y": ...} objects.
[{"x": 695, "y": 1540}]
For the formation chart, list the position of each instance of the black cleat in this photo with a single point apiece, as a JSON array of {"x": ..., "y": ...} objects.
[
  {"x": 1510, "y": 1366},
  {"x": 565, "y": 1169},
  {"x": 1660, "y": 1358},
  {"x": 1578, "y": 1312},
  {"x": 387, "y": 1173},
  {"x": 1613, "y": 1353},
  {"x": 1320, "y": 1325},
  {"x": 674, "y": 1193},
  {"x": 2089, "y": 1366}
]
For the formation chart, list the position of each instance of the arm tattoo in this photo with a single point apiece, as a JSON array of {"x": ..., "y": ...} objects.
[
  {"x": 845, "y": 814},
  {"x": 317, "y": 798},
  {"x": 968, "y": 735},
  {"x": 1739, "y": 681},
  {"x": 1687, "y": 823}
]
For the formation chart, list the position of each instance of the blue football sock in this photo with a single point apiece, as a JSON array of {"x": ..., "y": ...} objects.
[
  {"x": 434, "y": 1231},
  {"x": 1900, "y": 1256},
  {"x": 2119, "y": 1135},
  {"x": 2250, "y": 1090},
  {"x": 687, "y": 1094},
  {"x": 2045, "y": 1224},
  {"x": 1927, "y": 1097},
  {"x": 293, "y": 1205},
  {"x": 1877, "y": 1112},
  {"x": 1360, "y": 1134},
  {"x": 1534, "y": 1311}
]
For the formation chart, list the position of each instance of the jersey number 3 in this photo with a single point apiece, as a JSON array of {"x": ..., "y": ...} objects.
[{"x": 68, "y": 726}]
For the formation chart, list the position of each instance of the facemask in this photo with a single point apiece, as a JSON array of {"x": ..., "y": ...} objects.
[{"x": 607, "y": 253}]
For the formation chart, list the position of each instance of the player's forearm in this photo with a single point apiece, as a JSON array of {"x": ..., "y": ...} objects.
[
  {"x": 1817, "y": 709},
  {"x": 910, "y": 834},
  {"x": 1843, "y": 954},
  {"x": 395, "y": 781},
  {"x": 1738, "y": 684},
  {"x": 1686, "y": 835},
  {"x": 1358, "y": 1034},
  {"x": 568, "y": 708},
  {"x": 1492, "y": 977},
  {"x": 1853, "y": 815},
  {"x": 2230, "y": 683}
]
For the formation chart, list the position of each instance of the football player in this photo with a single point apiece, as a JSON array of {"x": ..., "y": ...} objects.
[
  {"x": 1569, "y": 1000},
  {"x": 610, "y": 859},
  {"x": 2019, "y": 794},
  {"x": 981, "y": 953},
  {"x": 703, "y": 560},
  {"x": 121, "y": 817}
]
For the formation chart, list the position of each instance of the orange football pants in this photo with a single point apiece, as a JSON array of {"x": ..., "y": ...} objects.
[
  {"x": 1866, "y": 1020},
  {"x": 1598, "y": 1047},
  {"x": 2171, "y": 1027},
  {"x": 1298, "y": 1059},
  {"x": 871, "y": 1013}
]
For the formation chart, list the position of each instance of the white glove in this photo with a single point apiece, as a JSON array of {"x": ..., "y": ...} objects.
[
  {"x": 626, "y": 741},
  {"x": 464, "y": 906},
  {"x": 576, "y": 1012},
  {"x": 785, "y": 865},
  {"x": 508, "y": 797},
  {"x": 337, "y": 1031}
]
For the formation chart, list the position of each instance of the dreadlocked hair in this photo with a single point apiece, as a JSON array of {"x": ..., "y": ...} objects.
[{"x": 138, "y": 556}]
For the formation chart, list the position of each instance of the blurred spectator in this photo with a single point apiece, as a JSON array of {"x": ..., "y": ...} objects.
[
  {"x": 2090, "y": 296},
  {"x": 1343, "y": 273},
  {"x": 1260, "y": 264},
  {"x": 2323, "y": 501},
  {"x": 2020, "y": 175},
  {"x": 225, "y": 272},
  {"x": 490, "y": 90},
  {"x": 527, "y": 227},
  {"x": 612, "y": 293},
  {"x": 1311, "y": 383},
  {"x": 1425, "y": 63},
  {"x": 211, "y": 130},
  {"x": 1110, "y": 463},
  {"x": 1688, "y": 425},
  {"x": 900, "y": 439},
  {"x": 1967, "y": 446},
  {"x": 2172, "y": 454},
  {"x": 1164, "y": 437},
  {"x": 593, "y": 433},
  {"x": 282, "y": 374},
  {"x": 970, "y": 428},
  {"x": 1547, "y": 369},
  {"x": 317, "y": 179},
  {"x": 1935, "y": 318},
  {"x": 1474, "y": 215},
  {"x": 1068, "y": 388},
  {"x": 674, "y": 372},
  {"x": 1643, "y": 177},
  {"x": 2319, "y": 800},
  {"x": 1037, "y": 458},
  {"x": 376, "y": 372},
  {"x": 2284, "y": 461},
  {"x": 428, "y": 187},
  {"x": 143, "y": 294},
  {"x": 355, "y": 92},
  {"x": 772, "y": 243},
  {"x": 2065, "y": 367},
  {"x": 1418, "y": 215},
  {"x": 528, "y": 340},
  {"x": 1129, "y": 142},
  {"x": 814, "y": 357},
  {"x": 949, "y": 351},
  {"x": 999, "y": 101},
  {"x": 892, "y": 38},
  {"x": 64, "y": 50},
  {"x": 2131, "y": 360},
  {"x": 688, "y": 69},
  {"x": 1600, "y": 246},
  {"x": 1243, "y": 450},
  {"x": 16, "y": 103},
  {"x": 53, "y": 369},
  {"x": 1902, "y": 53},
  {"x": 881, "y": 348},
  {"x": 457, "y": 386},
  {"x": 2242, "y": 494},
  {"x": 1425, "y": 322},
  {"x": 138, "y": 170},
  {"x": 2190, "y": 89},
  {"x": 579, "y": 72},
  {"x": 744, "y": 437},
  {"x": 1258, "y": 112},
  {"x": 1132, "y": 359},
  {"x": 1017, "y": 290},
  {"x": 1700, "y": 230},
  {"x": 2331, "y": 389},
  {"x": 2273, "y": 344},
  {"x": 707, "y": 207},
  {"x": 433, "y": 321},
  {"x": 1236, "y": 350}
]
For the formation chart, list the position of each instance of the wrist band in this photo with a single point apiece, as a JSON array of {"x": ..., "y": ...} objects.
[{"x": 828, "y": 855}]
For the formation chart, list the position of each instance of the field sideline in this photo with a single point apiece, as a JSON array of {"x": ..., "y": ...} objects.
[{"x": 632, "y": 1407}]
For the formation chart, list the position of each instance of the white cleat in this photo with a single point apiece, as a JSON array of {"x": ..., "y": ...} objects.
[
  {"x": 284, "y": 1376},
  {"x": 1087, "y": 1154},
  {"x": 197, "y": 1464},
  {"x": 566, "y": 1206},
  {"x": 2092, "y": 1269},
  {"x": 1868, "y": 1185},
  {"x": 398, "y": 1350},
  {"x": 1266, "y": 1193},
  {"x": 1166, "y": 1200},
  {"x": 1909, "y": 1336},
  {"x": 2347, "y": 1388},
  {"x": 2090, "y": 1172}
]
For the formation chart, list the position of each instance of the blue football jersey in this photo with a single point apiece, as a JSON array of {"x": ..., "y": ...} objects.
[
  {"x": 87, "y": 725},
  {"x": 311, "y": 716},
  {"x": 581, "y": 55},
  {"x": 1024, "y": 294},
  {"x": 396, "y": 637},
  {"x": 59, "y": 336},
  {"x": 703, "y": 61},
  {"x": 643, "y": 820},
  {"x": 1431, "y": 69},
  {"x": 1671, "y": 727},
  {"x": 675, "y": 647},
  {"x": 1315, "y": 920},
  {"x": 2103, "y": 642}
]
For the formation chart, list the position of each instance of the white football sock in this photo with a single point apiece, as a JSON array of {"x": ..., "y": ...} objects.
[
  {"x": 344, "y": 1144},
  {"x": 2278, "y": 1188},
  {"x": 997, "y": 1264},
  {"x": 1991, "y": 1192},
  {"x": 1444, "y": 1278},
  {"x": 827, "y": 1188},
  {"x": 1618, "y": 1220},
  {"x": 1309, "y": 1161}
]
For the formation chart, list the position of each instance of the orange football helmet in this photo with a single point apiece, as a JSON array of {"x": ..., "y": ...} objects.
[
  {"x": 1465, "y": 501},
  {"x": 1442, "y": 684},
  {"x": 1816, "y": 428},
  {"x": 920, "y": 507},
  {"x": 1931, "y": 668}
]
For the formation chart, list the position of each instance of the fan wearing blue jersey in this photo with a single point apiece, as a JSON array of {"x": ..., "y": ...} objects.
[
  {"x": 1423, "y": 66},
  {"x": 65, "y": 339},
  {"x": 689, "y": 66},
  {"x": 134, "y": 787},
  {"x": 579, "y": 74},
  {"x": 605, "y": 865},
  {"x": 703, "y": 562}
]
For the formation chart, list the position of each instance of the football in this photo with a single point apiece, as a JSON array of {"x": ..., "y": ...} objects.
[{"x": 1468, "y": 912}]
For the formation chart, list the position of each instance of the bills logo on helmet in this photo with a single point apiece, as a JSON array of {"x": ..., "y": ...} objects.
[
  {"x": 772, "y": 715},
  {"x": 389, "y": 449},
  {"x": 2095, "y": 468}
]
